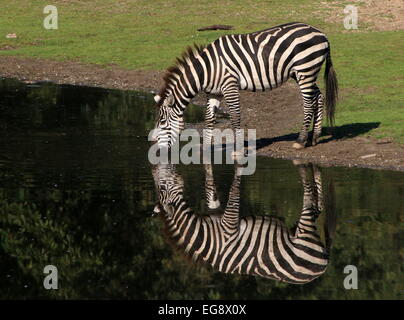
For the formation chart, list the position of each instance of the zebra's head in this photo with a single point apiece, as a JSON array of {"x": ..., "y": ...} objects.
[
  {"x": 170, "y": 121},
  {"x": 169, "y": 186}
]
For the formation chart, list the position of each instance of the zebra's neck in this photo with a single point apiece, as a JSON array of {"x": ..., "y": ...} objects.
[{"x": 188, "y": 77}]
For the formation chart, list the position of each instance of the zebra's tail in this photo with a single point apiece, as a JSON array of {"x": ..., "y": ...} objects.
[
  {"x": 331, "y": 88},
  {"x": 330, "y": 222}
]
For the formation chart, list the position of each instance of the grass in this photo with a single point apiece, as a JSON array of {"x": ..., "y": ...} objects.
[
  {"x": 150, "y": 34},
  {"x": 370, "y": 71}
]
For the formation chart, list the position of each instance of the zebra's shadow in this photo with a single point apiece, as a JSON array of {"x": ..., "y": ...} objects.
[
  {"x": 346, "y": 131},
  {"x": 261, "y": 246}
]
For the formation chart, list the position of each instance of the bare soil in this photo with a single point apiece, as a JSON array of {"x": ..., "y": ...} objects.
[{"x": 276, "y": 114}]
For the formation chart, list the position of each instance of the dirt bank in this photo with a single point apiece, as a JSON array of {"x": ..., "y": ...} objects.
[{"x": 276, "y": 115}]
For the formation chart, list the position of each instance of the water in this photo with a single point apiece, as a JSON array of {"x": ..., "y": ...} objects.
[{"x": 76, "y": 191}]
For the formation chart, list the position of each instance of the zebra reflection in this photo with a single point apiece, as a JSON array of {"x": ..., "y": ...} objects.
[{"x": 254, "y": 245}]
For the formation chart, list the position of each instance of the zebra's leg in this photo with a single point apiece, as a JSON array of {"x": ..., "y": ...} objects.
[
  {"x": 232, "y": 96},
  {"x": 230, "y": 220},
  {"x": 310, "y": 93},
  {"x": 306, "y": 234},
  {"x": 319, "y": 188},
  {"x": 210, "y": 189},
  {"x": 318, "y": 117},
  {"x": 306, "y": 223},
  {"x": 210, "y": 120}
]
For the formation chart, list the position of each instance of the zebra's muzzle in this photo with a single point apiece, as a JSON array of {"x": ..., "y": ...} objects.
[{"x": 153, "y": 137}]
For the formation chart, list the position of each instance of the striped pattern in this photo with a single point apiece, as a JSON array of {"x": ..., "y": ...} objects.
[
  {"x": 255, "y": 245},
  {"x": 212, "y": 200},
  {"x": 256, "y": 61}
]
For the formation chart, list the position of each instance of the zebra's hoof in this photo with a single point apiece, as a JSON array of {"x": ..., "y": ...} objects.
[
  {"x": 298, "y": 162},
  {"x": 213, "y": 204},
  {"x": 297, "y": 146},
  {"x": 240, "y": 170},
  {"x": 237, "y": 155}
]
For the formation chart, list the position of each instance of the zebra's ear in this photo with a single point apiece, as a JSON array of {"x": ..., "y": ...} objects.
[{"x": 157, "y": 98}]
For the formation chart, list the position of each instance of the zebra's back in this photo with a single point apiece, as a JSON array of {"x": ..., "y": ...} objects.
[
  {"x": 265, "y": 59},
  {"x": 263, "y": 246}
]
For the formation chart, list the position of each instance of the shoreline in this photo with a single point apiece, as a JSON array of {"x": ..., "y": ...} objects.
[{"x": 272, "y": 113}]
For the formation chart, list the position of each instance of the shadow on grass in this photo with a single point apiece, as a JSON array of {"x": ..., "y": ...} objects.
[{"x": 345, "y": 131}]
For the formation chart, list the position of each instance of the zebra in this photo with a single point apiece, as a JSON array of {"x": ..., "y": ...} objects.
[
  {"x": 255, "y": 61},
  {"x": 212, "y": 200},
  {"x": 261, "y": 246}
]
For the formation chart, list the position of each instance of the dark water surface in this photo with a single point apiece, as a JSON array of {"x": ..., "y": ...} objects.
[{"x": 76, "y": 191}]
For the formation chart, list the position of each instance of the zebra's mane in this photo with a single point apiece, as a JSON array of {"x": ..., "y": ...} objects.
[{"x": 190, "y": 53}]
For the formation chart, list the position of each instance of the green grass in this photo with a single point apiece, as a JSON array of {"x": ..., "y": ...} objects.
[
  {"x": 370, "y": 71},
  {"x": 150, "y": 34}
]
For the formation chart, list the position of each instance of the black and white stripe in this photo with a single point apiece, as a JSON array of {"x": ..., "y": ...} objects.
[
  {"x": 256, "y": 61},
  {"x": 255, "y": 245}
]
